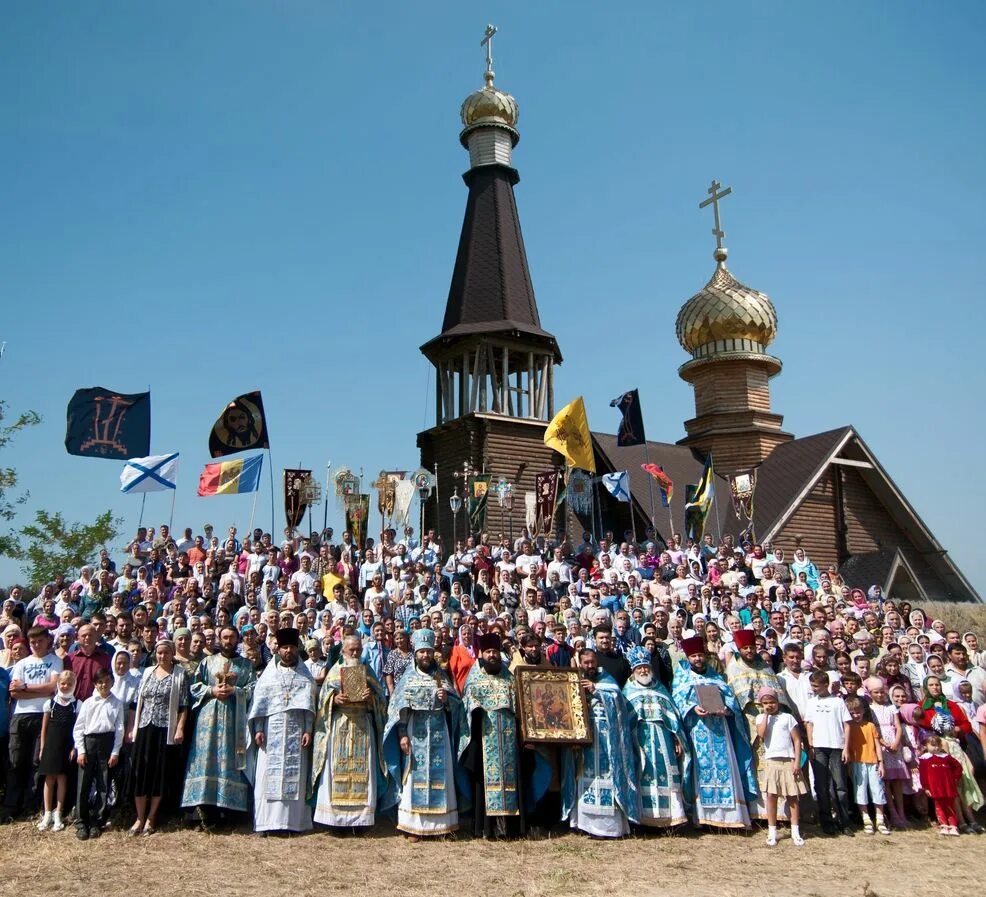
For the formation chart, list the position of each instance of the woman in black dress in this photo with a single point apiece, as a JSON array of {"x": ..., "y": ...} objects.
[{"x": 162, "y": 705}]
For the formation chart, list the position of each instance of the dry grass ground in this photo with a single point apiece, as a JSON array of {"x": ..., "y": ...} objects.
[{"x": 193, "y": 864}]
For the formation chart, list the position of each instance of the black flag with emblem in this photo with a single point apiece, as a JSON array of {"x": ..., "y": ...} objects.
[
  {"x": 631, "y": 430},
  {"x": 101, "y": 423}
]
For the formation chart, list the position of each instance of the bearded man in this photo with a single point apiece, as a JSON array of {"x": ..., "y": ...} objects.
[
  {"x": 747, "y": 674},
  {"x": 723, "y": 781},
  {"x": 665, "y": 760},
  {"x": 425, "y": 719},
  {"x": 222, "y": 689},
  {"x": 599, "y": 780},
  {"x": 350, "y": 779},
  {"x": 488, "y": 748},
  {"x": 281, "y": 720}
]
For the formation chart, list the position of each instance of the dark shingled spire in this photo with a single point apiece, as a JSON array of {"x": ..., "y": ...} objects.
[{"x": 491, "y": 290}]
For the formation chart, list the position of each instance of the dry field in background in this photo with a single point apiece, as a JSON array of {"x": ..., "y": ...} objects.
[
  {"x": 194, "y": 864},
  {"x": 957, "y": 615}
]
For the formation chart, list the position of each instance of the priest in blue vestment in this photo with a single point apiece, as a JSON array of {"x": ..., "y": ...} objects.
[
  {"x": 599, "y": 781},
  {"x": 723, "y": 781}
]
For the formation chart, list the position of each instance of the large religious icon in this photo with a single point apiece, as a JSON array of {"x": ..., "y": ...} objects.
[
  {"x": 553, "y": 707},
  {"x": 241, "y": 426}
]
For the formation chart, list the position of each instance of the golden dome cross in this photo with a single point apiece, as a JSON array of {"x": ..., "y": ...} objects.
[
  {"x": 714, "y": 197},
  {"x": 487, "y": 42}
]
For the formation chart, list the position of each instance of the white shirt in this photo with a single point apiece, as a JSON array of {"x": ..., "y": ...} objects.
[
  {"x": 33, "y": 670},
  {"x": 527, "y": 564},
  {"x": 827, "y": 716},
  {"x": 798, "y": 689},
  {"x": 305, "y": 580},
  {"x": 97, "y": 716},
  {"x": 562, "y": 569},
  {"x": 777, "y": 741}
]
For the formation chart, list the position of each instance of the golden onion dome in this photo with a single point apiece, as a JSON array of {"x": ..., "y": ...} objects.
[
  {"x": 489, "y": 107},
  {"x": 726, "y": 318}
]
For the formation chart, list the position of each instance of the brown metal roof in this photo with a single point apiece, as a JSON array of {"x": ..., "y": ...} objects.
[
  {"x": 491, "y": 290},
  {"x": 684, "y": 465},
  {"x": 787, "y": 471}
]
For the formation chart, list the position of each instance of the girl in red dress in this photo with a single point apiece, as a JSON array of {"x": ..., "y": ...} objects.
[{"x": 940, "y": 775}]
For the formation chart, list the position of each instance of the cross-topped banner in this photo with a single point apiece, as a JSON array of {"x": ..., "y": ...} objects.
[{"x": 714, "y": 196}]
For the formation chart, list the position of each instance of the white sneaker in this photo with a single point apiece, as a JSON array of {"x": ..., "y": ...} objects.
[
  {"x": 56, "y": 824},
  {"x": 45, "y": 823},
  {"x": 771, "y": 840},
  {"x": 797, "y": 841}
]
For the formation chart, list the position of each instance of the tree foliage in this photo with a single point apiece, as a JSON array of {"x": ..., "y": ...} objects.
[
  {"x": 9, "y": 501},
  {"x": 50, "y": 545}
]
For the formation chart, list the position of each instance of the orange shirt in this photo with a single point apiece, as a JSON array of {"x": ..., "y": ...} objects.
[{"x": 861, "y": 746}]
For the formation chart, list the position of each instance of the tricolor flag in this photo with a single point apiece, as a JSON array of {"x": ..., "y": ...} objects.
[
  {"x": 231, "y": 477},
  {"x": 155, "y": 473},
  {"x": 663, "y": 481}
]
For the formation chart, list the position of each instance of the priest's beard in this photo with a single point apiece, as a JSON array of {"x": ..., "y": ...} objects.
[
  {"x": 491, "y": 666},
  {"x": 349, "y": 661},
  {"x": 643, "y": 677},
  {"x": 429, "y": 667}
]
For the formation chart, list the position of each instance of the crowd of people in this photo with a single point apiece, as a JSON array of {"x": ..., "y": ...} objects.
[{"x": 327, "y": 683}]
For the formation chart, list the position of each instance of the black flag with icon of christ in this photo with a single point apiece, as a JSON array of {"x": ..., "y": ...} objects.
[
  {"x": 241, "y": 427},
  {"x": 631, "y": 431}
]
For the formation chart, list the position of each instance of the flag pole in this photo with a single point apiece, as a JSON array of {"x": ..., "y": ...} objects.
[
  {"x": 597, "y": 509},
  {"x": 270, "y": 467},
  {"x": 325, "y": 498},
  {"x": 650, "y": 486},
  {"x": 633, "y": 517},
  {"x": 253, "y": 510},
  {"x": 715, "y": 496},
  {"x": 143, "y": 501},
  {"x": 171, "y": 519}
]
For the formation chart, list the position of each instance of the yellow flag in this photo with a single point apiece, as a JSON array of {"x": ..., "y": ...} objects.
[{"x": 568, "y": 433}]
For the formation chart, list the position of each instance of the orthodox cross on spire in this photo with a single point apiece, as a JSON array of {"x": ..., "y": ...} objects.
[
  {"x": 714, "y": 197},
  {"x": 488, "y": 43}
]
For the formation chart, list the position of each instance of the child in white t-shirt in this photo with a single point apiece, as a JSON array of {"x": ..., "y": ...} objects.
[{"x": 782, "y": 764}]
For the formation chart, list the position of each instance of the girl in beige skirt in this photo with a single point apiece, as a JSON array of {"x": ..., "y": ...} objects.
[{"x": 782, "y": 772}]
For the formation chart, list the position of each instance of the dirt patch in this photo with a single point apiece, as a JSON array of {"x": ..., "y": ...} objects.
[{"x": 194, "y": 864}]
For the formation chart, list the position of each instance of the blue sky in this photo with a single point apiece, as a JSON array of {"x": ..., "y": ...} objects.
[{"x": 212, "y": 198}]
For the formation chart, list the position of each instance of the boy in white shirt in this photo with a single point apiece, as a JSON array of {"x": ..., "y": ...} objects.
[
  {"x": 98, "y": 736},
  {"x": 827, "y": 723},
  {"x": 32, "y": 683}
]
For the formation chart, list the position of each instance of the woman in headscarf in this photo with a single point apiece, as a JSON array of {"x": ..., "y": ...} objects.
[
  {"x": 913, "y": 747},
  {"x": 971, "y": 642},
  {"x": 126, "y": 681},
  {"x": 802, "y": 564},
  {"x": 463, "y": 656},
  {"x": 889, "y": 668},
  {"x": 159, "y": 729},
  {"x": 916, "y": 667},
  {"x": 365, "y": 628},
  {"x": 945, "y": 718},
  {"x": 916, "y": 618},
  {"x": 64, "y": 639}
]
